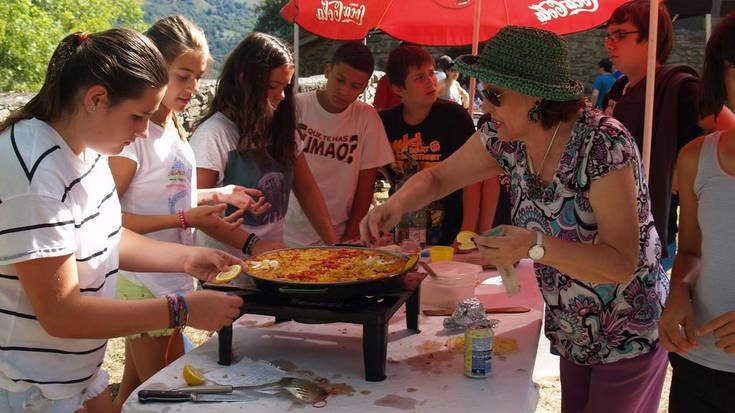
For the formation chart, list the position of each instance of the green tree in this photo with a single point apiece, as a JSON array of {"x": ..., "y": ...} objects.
[
  {"x": 31, "y": 29},
  {"x": 270, "y": 20}
]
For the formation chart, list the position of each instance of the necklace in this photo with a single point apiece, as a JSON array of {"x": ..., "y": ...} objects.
[
  {"x": 535, "y": 184},
  {"x": 162, "y": 123}
]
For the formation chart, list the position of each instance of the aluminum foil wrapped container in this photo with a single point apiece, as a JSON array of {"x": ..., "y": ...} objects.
[{"x": 469, "y": 312}]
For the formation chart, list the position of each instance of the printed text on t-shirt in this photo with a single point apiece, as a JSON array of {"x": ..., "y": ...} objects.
[
  {"x": 335, "y": 147},
  {"x": 414, "y": 146}
]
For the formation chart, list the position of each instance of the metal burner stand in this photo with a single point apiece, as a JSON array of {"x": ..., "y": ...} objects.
[{"x": 373, "y": 313}]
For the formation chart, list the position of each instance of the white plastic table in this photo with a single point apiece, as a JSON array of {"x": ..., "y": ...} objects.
[{"x": 424, "y": 374}]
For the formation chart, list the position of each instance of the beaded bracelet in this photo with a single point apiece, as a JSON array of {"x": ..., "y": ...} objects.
[
  {"x": 173, "y": 303},
  {"x": 182, "y": 219},
  {"x": 184, "y": 310},
  {"x": 171, "y": 315},
  {"x": 177, "y": 311}
]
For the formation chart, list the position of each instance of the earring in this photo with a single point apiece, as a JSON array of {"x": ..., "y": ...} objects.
[
  {"x": 534, "y": 114},
  {"x": 93, "y": 108}
]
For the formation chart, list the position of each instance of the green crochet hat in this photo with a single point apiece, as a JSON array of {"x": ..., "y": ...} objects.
[{"x": 527, "y": 60}]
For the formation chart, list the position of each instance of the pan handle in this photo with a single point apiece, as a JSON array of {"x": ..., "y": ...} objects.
[{"x": 288, "y": 290}]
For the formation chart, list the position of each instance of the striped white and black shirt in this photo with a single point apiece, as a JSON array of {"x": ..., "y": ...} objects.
[{"x": 52, "y": 203}]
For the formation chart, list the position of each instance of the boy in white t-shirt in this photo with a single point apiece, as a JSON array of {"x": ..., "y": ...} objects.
[{"x": 344, "y": 143}]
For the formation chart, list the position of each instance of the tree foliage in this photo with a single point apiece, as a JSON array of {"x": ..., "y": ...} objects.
[
  {"x": 270, "y": 20},
  {"x": 30, "y": 30}
]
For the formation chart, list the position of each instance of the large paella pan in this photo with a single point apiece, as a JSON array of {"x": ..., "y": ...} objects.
[{"x": 334, "y": 271}]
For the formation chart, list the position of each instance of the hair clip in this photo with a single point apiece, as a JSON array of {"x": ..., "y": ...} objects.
[{"x": 82, "y": 37}]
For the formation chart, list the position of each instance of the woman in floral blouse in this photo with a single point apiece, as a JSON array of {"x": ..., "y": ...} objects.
[{"x": 580, "y": 210}]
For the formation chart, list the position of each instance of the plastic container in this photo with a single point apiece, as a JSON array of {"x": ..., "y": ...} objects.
[
  {"x": 455, "y": 282},
  {"x": 441, "y": 253}
]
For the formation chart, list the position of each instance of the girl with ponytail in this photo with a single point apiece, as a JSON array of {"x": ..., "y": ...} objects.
[{"x": 61, "y": 239}]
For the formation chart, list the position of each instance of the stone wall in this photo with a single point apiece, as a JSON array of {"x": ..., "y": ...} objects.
[
  {"x": 586, "y": 49},
  {"x": 198, "y": 105},
  {"x": 196, "y": 108},
  {"x": 315, "y": 52},
  {"x": 11, "y": 101}
]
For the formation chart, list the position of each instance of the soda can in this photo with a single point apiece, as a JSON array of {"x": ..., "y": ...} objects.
[{"x": 478, "y": 351}]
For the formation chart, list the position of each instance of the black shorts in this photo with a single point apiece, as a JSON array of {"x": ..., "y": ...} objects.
[{"x": 699, "y": 389}]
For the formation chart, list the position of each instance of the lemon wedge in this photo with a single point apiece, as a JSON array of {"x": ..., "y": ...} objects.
[
  {"x": 229, "y": 274},
  {"x": 193, "y": 376},
  {"x": 411, "y": 262},
  {"x": 465, "y": 241}
]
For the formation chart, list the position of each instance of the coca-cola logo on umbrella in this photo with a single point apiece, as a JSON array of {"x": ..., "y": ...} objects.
[
  {"x": 445, "y": 22},
  {"x": 548, "y": 10},
  {"x": 341, "y": 12},
  {"x": 453, "y": 4}
]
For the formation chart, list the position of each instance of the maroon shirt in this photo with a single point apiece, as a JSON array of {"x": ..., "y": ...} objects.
[
  {"x": 675, "y": 120},
  {"x": 384, "y": 96}
]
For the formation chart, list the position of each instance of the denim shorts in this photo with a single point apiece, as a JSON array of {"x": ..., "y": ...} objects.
[{"x": 33, "y": 401}]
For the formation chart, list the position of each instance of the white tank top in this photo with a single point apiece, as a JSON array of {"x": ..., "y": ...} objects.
[{"x": 714, "y": 293}]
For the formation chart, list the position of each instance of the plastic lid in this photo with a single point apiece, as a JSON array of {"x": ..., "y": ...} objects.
[{"x": 454, "y": 270}]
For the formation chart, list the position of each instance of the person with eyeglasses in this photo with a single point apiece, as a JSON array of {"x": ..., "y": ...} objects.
[
  {"x": 580, "y": 210},
  {"x": 676, "y": 103}
]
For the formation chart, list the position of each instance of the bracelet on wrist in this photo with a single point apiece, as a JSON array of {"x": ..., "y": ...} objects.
[
  {"x": 247, "y": 247},
  {"x": 184, "y": 310},
  {"x": 253, "y": 241},
  {"x": 171, "y": 315},
  {"x": 173, "y": 304},
  {"x": 182, "y": 219}
]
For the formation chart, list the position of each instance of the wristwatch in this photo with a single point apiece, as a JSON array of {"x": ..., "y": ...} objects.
[{"x": 537, "y": 250}]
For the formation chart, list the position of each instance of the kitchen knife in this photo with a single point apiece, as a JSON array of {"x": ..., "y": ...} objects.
[{"x": 175, "y": 396}]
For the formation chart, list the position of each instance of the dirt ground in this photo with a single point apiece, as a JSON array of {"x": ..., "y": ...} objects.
[
  {"x": 549, "y": 387},
  {"x": 114, "y": 361}
]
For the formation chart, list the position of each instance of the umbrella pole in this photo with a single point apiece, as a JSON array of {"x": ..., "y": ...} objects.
[
  {"x": 475, "y": 43},
  {"x": 650, "y": 85},
  {"x": 364, "y": 96}
]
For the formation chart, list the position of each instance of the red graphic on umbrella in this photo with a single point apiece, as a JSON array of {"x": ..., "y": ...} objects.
[{"x": 443, "y": 22}]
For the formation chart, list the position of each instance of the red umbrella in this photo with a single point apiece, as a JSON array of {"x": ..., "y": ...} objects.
[
  {"x": 447, "y": 23},
  {"x": 443, "y": 22}
]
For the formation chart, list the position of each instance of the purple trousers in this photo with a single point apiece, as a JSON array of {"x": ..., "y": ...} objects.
[{"x": 627, "y": 386}]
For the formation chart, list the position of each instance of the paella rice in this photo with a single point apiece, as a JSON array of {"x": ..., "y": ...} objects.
[{"x": 325, "y": 265}]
